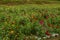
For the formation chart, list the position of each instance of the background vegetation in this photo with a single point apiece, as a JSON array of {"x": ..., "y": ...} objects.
[{"x": 30, "y": 21}]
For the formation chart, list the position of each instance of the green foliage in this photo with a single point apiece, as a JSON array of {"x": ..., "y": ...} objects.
[{"x": 16, "y": 23}]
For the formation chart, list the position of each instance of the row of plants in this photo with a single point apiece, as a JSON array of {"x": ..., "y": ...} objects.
[
  {"x": 28, "y": 1},
  {"x": 28, "y": 24}
]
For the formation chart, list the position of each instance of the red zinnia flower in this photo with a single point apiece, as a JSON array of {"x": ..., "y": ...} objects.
[
  {"x": 41, "y": 22},
  {"x": 46, "y": 17},
  {"x": 47, "y": 33}
]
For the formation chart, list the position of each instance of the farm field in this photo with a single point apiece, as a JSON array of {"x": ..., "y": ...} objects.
[{"x": 30, "y": 22}]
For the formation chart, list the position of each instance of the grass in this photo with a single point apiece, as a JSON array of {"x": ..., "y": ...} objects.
[
  {"x": 29, "y": 2},
  {"x": 28, "y": 6}
]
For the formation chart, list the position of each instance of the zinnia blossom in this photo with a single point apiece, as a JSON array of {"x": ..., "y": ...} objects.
[
  {"x": 41, "y": 22},
  {"x": 47, "y": 33},
  {"x": 46, "y": 17}
]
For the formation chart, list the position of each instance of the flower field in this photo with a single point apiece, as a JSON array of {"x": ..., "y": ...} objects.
[{"x": 29, "y": 22}]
